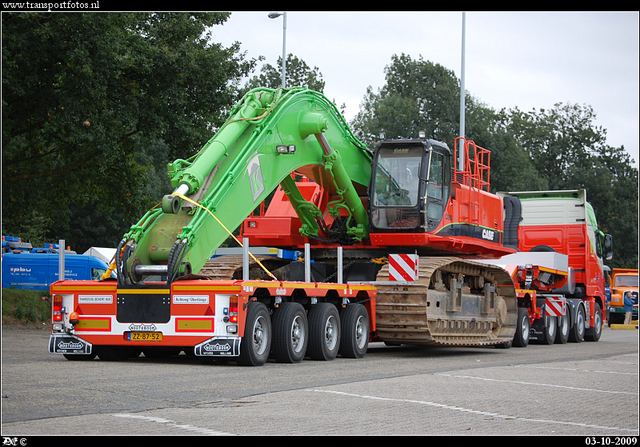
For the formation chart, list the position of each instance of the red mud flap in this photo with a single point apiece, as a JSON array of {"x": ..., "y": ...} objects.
[
  {"x": 218, "y": 347},
  {"x": 68, "y": 344}
]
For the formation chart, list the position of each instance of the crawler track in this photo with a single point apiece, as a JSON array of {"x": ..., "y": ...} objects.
[
  {"x": 230, "y": 267},
  {"x": 455, "y": 302}
]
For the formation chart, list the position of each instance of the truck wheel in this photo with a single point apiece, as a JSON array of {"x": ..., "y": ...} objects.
[
  {"x": 354, "y": 321},
  {"x": 521, "y": 338},
  {"x": 576, "y": 334},
  {"x": 324, "y": 332},
  {"x": 550, "y": 330},
  {"x": 256, "y": 342},
  {"x": 290, "y": 333},
  {"x": 563, "y": 329},
  {"x": 594, "y": 333}
]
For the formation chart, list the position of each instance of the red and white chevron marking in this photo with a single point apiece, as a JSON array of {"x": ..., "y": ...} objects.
[
  {"x": 403, "y": 267},
  {"x": 556, "y": 307}
]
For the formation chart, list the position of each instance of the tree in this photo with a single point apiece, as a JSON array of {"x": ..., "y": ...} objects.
[
  {"x": 418, "y": 95},
  {"x": 571, "y": 152},
  {"x": 511, "y": 166},
  {"x": 618, "y": 203},
  {"x": 560, "y": 141},
  {"x": 298, "y": 74},
  {"x": 90, "y": 99}
]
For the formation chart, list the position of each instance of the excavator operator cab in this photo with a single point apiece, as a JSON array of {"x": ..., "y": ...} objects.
[{"x": 411, "y": 185}]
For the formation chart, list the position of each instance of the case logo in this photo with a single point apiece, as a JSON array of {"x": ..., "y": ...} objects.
[{"x": 488, "y": 234}]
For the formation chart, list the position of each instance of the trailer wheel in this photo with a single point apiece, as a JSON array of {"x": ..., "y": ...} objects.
[
  {"x": 563, "y": 329},
  {"x": 354, "y": 341},
  {"x": 576, "y": 334},
  {"x": 550, "y": 330},
  {"x": 594, "y": 333},
  {"x": 324, "y": 331},
  {"x": 521, "y": 338},
  {"x": 290, "y": 333},
  {"x": 256, "y": 341}
]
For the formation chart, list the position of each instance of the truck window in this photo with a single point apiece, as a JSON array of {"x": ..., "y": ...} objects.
[
  {"x": 96, "y": 273},
  {"x": 626, "y": 281}
]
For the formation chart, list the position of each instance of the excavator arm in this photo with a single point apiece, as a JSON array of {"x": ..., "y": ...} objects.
[{"x": 269, "y": 135}]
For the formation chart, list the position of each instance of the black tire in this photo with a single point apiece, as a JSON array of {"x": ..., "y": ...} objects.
[
  {"x": 594, "y": 333},
  {"x": 290, "y": 333},
  {"x": 550, "y": 330},
  {"x": 256, "y": 342},
  {"x": 354, "y": 340},
  {"x": 562, "y": 335},
  {"x": 542, "y": 248},
  {"x": 523, "y": 328},
  {"x": 576, "y": 333},
  {"x": 324, "y": 332}
]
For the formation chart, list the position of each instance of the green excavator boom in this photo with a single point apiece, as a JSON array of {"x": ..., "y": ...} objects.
[{"x": 269, "y": 135}]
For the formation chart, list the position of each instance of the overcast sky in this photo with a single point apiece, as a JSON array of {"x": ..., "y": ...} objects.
[{"x": 524, "y": 59}]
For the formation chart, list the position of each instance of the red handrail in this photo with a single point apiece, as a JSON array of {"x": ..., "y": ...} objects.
[{"x": 476, "y": 165}]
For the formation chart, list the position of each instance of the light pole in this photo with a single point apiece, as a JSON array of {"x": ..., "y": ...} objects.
[
  {"x": 462, "y": 97},
  {"x": 275, "y": 15}
]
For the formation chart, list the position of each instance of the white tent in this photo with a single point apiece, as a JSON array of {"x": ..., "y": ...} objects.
[{"x": 105, "y": 254}]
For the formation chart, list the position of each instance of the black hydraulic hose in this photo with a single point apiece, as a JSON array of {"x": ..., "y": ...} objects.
[
  {"x": 508, "y": 216},
  {"x": 173, "y": 263},
  {"x": 125, "y": 256},
  {"x": 182, "y": 251}
]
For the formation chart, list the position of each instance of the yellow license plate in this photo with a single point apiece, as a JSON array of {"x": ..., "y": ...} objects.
[{"x": 145, "y": 336}]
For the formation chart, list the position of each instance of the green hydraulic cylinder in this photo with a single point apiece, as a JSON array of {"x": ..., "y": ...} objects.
[
  {"x": 217, "y": 147},
  {"x": 333, "y": 163}
]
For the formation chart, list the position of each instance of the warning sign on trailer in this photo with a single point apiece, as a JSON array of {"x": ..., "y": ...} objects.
[
  {"x": 403, "y": 267},
  {"x": 556, "y": 307}
]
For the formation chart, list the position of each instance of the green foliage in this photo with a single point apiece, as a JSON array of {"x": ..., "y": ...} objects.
[
  {"x": 94, "y": 105},
  {"x": 418, "y": 95},
  {"x": 511, "y": 166},
  {"x": 26, "y": 305},
  {"x": 298, "y": 74}
]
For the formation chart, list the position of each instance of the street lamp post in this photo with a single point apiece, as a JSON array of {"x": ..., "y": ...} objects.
[
  {"x": 462, "y": 96},
  {"x": 275, "y": 15}
]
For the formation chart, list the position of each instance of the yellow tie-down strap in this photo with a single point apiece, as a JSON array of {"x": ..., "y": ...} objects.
[{"x": 227, "y": 230}]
